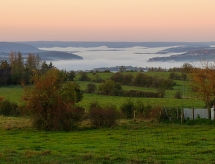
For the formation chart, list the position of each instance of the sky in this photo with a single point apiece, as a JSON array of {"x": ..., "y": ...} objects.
[{"x": 107, "y": 20}]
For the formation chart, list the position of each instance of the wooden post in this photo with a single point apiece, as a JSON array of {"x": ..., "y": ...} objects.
[
  {"x": 209, "y": 113},
  {"x": 182, "y": 115},
  {"x": 134, "y": 115},
  {"x": 193, "y": 113},
  {"x": 214, "y": 111},
  {"x": 177, "y": 113}
]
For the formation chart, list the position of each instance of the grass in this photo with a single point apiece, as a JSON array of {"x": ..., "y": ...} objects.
[
  {"x": 118, "y": 101},
  {"x": 15, "y": 94},
  {"x": 8, "y": 123},
  {"x": 130, "y": 142},
  {"x": 12, "y": 93}
]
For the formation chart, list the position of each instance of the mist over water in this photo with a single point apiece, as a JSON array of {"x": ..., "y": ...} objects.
[{"x": 97, "y": 57}]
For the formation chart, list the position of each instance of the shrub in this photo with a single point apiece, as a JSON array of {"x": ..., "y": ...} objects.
[
  {"x": 171, "y": 114},
  {"x": 121, "y": 78},
  {"x": 110, "y": 87},
  {"x": 84, "y": 77},
  {"x": 128, "y": 108},
  {"x": 178, "y": 95},
  {"x": 155, "y": 113},
  {"x": 70, "y": 76},
  {"x": 140, "y": 108},
  {"x": 149, "y": 81},
  {"x": 117, "y": 77},
  {"x": 176, "y": 76},
  {"x": 70, "y": 92},
  {"x": 77, "y": 114},
  {"x": 8, "y": 108},
  {"x": 161, "y": 93},
  {"x": 97, "y": 79},
  {"x": 52, "y": 102},
  {"x": 137, "y": 93},
  {"x": 1, "y": 99},
  {"x": 103, "y": 116},
  {"x": 128, "y": 79},
  {"x": 91, "y": 88}
]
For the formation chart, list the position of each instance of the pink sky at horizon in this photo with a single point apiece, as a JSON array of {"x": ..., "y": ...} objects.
[{"x": 107, "y": 20}]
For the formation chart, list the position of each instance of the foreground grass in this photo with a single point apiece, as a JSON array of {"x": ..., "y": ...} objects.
[{"x": 128, "y": 143}]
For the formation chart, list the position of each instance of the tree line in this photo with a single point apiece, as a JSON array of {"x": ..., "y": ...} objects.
[
  {"x": 18, "y": 70},
  {"x": 143, "y": 80}
]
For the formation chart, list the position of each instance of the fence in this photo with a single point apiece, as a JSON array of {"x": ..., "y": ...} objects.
[{"x": 193, "y": 114}]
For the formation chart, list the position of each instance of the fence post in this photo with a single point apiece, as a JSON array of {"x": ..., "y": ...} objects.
[
  {"x": 214, "y": 112},
  {"x": 134, "y": 115},
  {"x": 177, "y": 113},
  {"x": 182, "y": 115},
  {"x": 193, "y": 113}
]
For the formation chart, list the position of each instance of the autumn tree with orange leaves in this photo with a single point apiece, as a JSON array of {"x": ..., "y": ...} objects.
[
  {"x": 203, "y": 82},
  {"x": 52, "y": 102}
]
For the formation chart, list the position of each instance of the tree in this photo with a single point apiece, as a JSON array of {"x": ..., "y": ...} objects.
[
  {"x": 110, "y": 87},
  {"x": 203, "y": 81},
  {"x": 91, "y": 88},
  {"x": 84, "y": 77},
  {"x": 70, "y": 75},
  {"x": 178, "y": 95},
  {"x": 32, "y": 66},
  {"x": 17, "y": 67},
  {"x": 52, "y": 102},
  {"x": 5, "y": 73},
  {"x": 187, "y": 68}
]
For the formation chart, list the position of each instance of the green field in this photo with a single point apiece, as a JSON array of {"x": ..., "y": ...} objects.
[
  {"x": 127, "y": 143},
  {"x": 15, "y": 93}
]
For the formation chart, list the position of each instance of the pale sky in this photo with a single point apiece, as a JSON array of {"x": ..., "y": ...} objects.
[{"x": 107, "y": 20}]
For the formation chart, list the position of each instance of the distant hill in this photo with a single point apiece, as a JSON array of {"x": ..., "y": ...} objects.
[
  {"x": 57, "y": 55},
  {"x": 25, "y": 49},
  {"x": 48, "y": 44},
  {"x": 204, "y": 54},
  {"x": 8, "y": 47}
]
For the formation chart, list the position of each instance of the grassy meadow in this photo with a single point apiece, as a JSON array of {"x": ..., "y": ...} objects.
[
  {"x": 14, "y": 93},
  {"x": 129, "y": 142}
]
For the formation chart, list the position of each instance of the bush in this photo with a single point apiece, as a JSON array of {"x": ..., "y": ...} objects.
[
  {"x": 103, "y": 116},
  {"x": 176, "y": 76},
  {"x": 84, "y": 77},
  {"x": 125, "y": 79},
  {"x": 155, "y": 113},
  {"x": 1, "y": 99},
  {"x": 70, "y": 76},
  {"x": 77, "y": 114},
  {"x": 110, "y": 88},
  {"x": 178, "y": 95},
  {"x": 97, "y": 79},
  {"x": 91, "y": 88},
  {"x": 171, "y": 114},
  {"x": 8, "y": 108},
  {"x": 140, "y": 108},
  {"x": 57, "y": 120},
  {"x": 128, "y": 108},
  {"x": 137, "y": 93},
  {"x": 52, "y": 102},
  {"x": 149, "y": 81}
]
